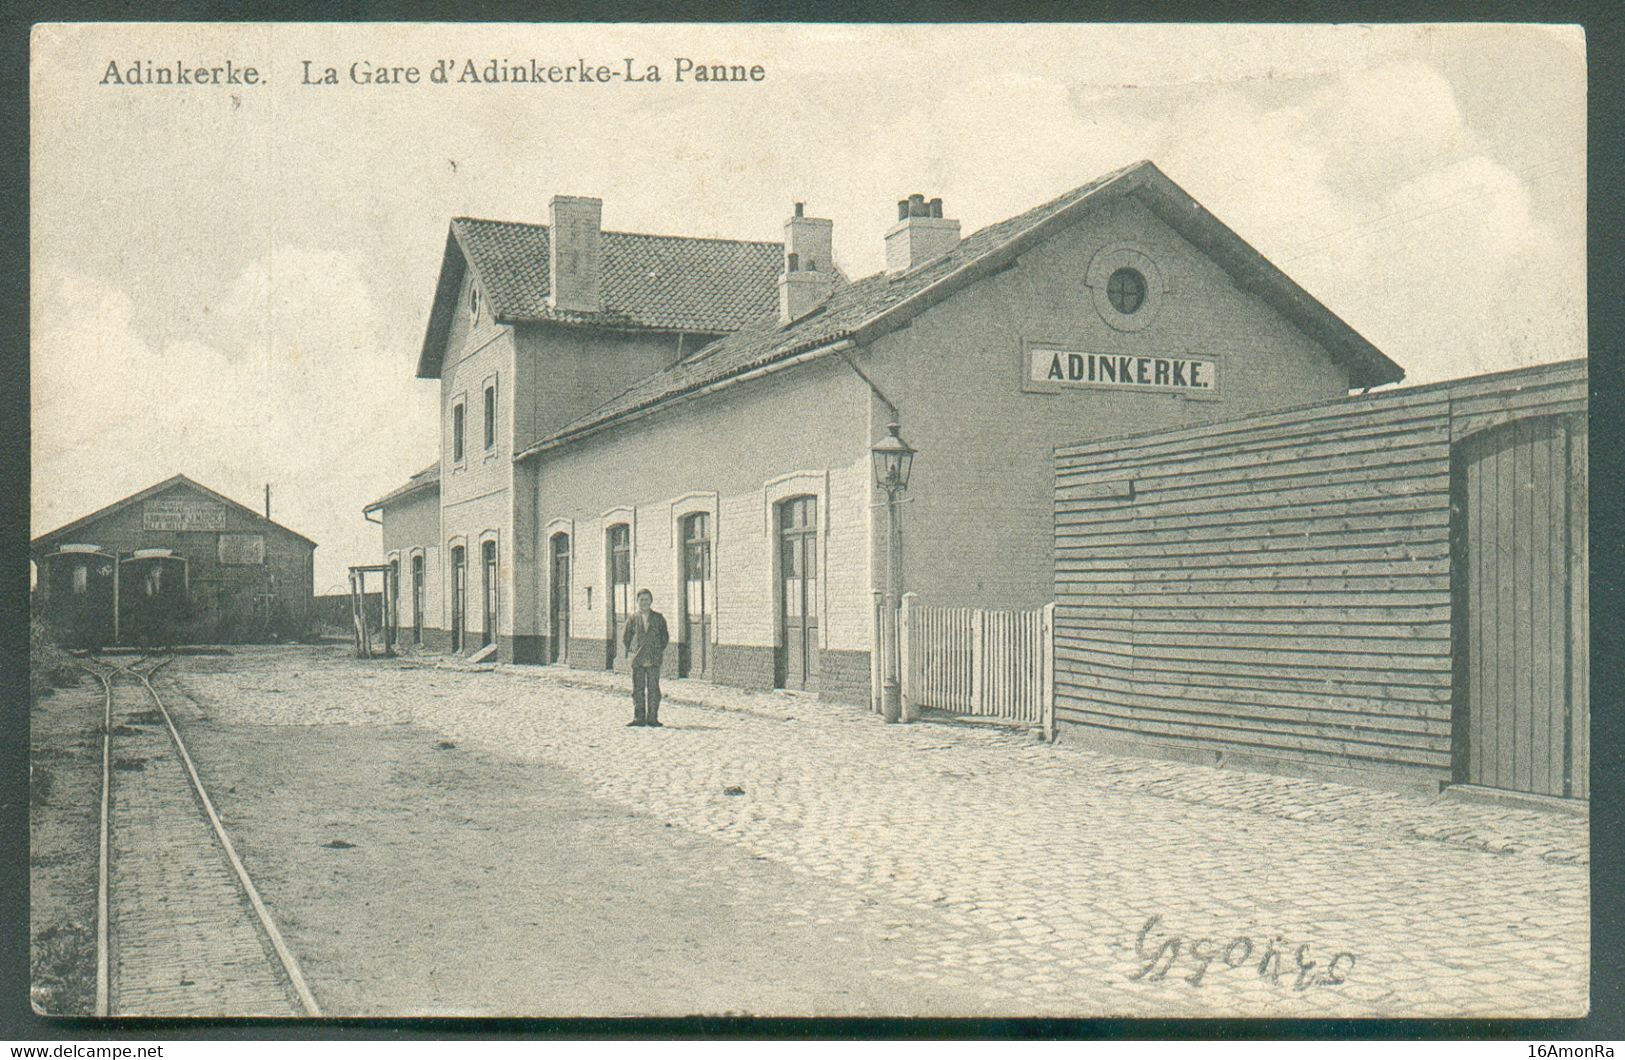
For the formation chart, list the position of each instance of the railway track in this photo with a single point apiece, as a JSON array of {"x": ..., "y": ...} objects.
[{"x": 181, "y": 928}]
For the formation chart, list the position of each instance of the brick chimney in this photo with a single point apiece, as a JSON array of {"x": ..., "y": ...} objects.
[
  {"x": 809, "y": 271},
  {"x": 573, "y": 256},
  {"x": 921, "y": 234}
]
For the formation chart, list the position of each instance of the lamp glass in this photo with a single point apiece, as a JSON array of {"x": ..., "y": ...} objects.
[{"x": 893, "y": 461}]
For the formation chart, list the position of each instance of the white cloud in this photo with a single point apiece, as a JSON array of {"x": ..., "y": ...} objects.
[
  {"x": 299, "y": 383},
  {"x": 249, "y": 304}
]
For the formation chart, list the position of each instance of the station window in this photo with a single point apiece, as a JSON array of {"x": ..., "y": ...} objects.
[
  {"x": 457, "y": 432},
  {"x": 81, "y": 580},
  {"x": 1126, "y": 290},
  {"x": 490, "y": 415}
]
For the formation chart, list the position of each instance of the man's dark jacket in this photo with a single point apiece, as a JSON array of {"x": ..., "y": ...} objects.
[{"x": 645, "y": 646}]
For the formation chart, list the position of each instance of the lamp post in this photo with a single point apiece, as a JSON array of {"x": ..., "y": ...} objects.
[{"x": 893, "y": 460}]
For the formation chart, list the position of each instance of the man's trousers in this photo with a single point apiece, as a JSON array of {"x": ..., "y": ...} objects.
[{"x": 646, "y": 693}]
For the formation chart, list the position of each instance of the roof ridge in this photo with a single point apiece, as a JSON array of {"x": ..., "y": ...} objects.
[
  {"x": 867, "y": 307},
  {"x": 180, "y": 478},
  {"x": 619, "y": 232}
]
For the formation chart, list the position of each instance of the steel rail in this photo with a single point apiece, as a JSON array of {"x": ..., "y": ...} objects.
[
  {"x": 290, "y": 964},
  {"x": 102, "y": 964}
]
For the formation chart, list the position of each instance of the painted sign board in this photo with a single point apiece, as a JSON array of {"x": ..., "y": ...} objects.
[
  {"x": 1073, "y": 368},
  {"x": 183, "y": 513},
  {"x": 241, "y": 550}
]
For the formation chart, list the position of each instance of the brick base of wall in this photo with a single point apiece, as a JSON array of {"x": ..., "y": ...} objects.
[
  {"x": 843, "y": 676},
  {"x": 743, "y": 666},
  {"x": 526, "y": 648},
  {"x": 588, "y": 653},
  {"x": 436, "y": 640}
]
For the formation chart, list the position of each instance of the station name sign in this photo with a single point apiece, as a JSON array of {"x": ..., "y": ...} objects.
[
  {"x": 183, "y": 514},
  {"x": 1122, "y": 372}
]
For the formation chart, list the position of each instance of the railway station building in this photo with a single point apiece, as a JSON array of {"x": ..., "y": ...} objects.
[
  {"x": 693, "y": 416},
  {"x": 176, "y": 563}
]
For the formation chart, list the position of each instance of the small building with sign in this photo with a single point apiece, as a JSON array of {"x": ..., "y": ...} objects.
[
  {"x": 176, "y": 563},
  {"x": 658, "y": 412}
]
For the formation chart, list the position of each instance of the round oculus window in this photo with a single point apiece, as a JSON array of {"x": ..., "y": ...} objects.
[{"x": 1126, "y": 291}]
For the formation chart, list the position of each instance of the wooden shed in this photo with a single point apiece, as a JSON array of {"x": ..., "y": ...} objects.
[
  {"x": 1390, "y": 588},
  {"x": 176, "y": 563}
]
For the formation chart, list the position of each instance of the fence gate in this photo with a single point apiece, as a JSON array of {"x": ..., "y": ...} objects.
[
  {"x": 997, "y": 665},
  {"x": 1522, "y": 712}
]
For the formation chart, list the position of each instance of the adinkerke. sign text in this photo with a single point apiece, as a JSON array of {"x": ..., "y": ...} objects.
[{"x": 1069, "y": 368}]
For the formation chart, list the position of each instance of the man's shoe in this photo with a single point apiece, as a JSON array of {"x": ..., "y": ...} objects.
[
  {"x": 654, "y": 725},
  {"x": 636, "y": 721}
]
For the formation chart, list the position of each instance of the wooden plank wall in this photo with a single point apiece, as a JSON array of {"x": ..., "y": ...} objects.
[{"x": 1278, "y": 585}]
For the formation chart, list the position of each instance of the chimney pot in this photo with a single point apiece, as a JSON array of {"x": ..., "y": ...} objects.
[
  {"x": 921, "y": 234},
  {"x": 805, "y": 283}
]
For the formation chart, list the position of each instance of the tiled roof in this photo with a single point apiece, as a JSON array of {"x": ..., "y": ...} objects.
[
  {"x": 668, "y": 282},
  {"x": 663, "y": 283},
  {"x": 429, "y": 476},
  {"x": 866, "y": 308}
]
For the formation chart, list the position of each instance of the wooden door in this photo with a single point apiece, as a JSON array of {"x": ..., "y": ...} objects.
[
  {"x": 559, "y": 600},
  {"x": 798, "y": 593},
  {"x": 619, "y": 576},
  {"x": 1522, "y": 718},
  {"x": 488, "y": 563},
  {"x": 394, "y": 632},
  {"x": 417, "y": 599},
  {"x": 694, "y": 655},
  {"x": 459, "y": 596}
]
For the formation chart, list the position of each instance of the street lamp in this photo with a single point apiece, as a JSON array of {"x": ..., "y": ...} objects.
[{"x": 893, "y": 460}]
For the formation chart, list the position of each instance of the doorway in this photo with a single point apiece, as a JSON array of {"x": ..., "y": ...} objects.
[
  {"x": 417, "y": 600},
  {"x": 559, "y": 599},
  {"x": 618, "y": 545},
  {"x": 694, "y": 653},
  {"x": 458, "y": 596},
  {"x": 1519, "y": 506},
  {"x": 798, "y": 593},
  {"x": 488, "y": 563}
]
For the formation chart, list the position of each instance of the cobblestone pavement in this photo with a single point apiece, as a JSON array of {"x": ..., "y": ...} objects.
[
  {"x": 1055, "y": 881},
  {"x": 183, "y": 940}
]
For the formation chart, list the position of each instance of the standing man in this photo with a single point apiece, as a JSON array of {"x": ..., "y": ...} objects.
[{"x": 645, "y": 640}]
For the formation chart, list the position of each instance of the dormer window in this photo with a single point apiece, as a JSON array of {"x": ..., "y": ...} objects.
[{"x": 473, "y": 301}]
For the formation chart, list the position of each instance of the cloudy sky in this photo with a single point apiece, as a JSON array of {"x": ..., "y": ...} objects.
[{"x": 233, "y": 282}]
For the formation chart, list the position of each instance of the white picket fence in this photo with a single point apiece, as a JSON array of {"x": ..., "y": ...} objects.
[{"x": 998, "y": 665}]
